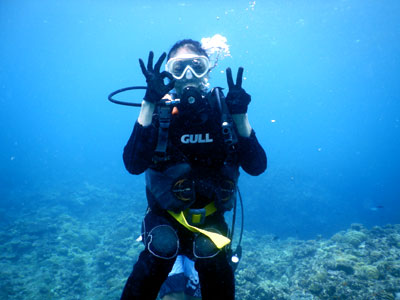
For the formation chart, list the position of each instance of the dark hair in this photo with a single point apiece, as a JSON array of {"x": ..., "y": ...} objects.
[{"x": 193, "y": 45}]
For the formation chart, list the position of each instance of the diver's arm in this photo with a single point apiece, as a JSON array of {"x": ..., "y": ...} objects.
[
  {"x": 146, "y": 113},
  {"x": 139, "y": 150},
  {"x": 242, "y": 124},
  {"x": 252, "y": 156}
]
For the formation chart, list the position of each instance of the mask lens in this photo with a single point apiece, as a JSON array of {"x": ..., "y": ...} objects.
[
  {"x": 199, "y": 66},
  {"x": 177, "y": 67}
]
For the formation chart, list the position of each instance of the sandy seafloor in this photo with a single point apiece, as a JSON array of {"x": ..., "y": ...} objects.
[{"x": 80, "y": 243}]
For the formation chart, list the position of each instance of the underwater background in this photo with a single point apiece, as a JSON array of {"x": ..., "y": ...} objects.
[{"x": 324, "y": 80}]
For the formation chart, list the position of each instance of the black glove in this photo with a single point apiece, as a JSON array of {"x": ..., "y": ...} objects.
[
  {"x": 156, "y": 89},
  {"x": 237, "y": 99}
]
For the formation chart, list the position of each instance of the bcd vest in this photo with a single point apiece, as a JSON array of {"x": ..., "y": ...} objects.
[{"x": 198, "y": 164}]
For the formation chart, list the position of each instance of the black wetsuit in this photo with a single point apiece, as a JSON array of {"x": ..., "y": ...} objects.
[{"x": 198, "y": 142}]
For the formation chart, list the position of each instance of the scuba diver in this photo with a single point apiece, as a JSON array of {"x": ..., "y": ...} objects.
[{"x": 190, "y": 142}]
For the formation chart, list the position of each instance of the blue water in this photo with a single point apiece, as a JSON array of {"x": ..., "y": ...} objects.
[{"x": 323, "y": 75}]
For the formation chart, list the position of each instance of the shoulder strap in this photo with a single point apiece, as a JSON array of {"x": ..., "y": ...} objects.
[
  {"x": 228, "y": 132},
  {"x": 162, "y": 142}
]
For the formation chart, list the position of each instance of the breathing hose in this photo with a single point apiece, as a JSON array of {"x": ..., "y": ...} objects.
[{"x": 111, "y": 99}]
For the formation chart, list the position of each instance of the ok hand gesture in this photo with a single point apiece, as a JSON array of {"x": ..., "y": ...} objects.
[{"x": 156, "y": 88}]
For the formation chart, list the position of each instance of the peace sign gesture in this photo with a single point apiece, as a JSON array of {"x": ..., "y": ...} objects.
[
  {"x": 156, "y": 88},
  {"x": 237, "y": 99}
]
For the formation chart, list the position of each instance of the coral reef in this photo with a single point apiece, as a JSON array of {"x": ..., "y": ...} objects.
[
  {"x": 82, "y": 245},
  {"x": 353, "y": 264}
]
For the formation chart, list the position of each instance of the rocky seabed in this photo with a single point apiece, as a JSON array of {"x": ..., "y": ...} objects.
[{"x": 82, "y": 245}]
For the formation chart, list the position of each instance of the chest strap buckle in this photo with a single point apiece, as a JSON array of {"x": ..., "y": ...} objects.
[
  {"x": 195, "y": 216},
  {"x": 218, "y": 239}
]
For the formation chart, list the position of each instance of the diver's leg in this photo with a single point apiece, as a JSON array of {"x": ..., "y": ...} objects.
[
  {"x": 155, "y": 262},
  {"x": 174, "y": 296},
  {"x": 215, "y": 273},
  {"x": 174, "y": 286},
  {"x": 147, "y": 277},
  {"x": 216, "y": 278}
]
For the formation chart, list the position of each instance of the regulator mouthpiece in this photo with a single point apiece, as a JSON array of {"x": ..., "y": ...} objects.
[{"x": 191, "y": 98}]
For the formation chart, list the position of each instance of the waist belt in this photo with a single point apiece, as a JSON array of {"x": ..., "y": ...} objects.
[{"x": 197, "y": 216}]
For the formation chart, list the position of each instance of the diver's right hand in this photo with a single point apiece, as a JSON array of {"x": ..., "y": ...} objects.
[{"x": 156, "y": 88}]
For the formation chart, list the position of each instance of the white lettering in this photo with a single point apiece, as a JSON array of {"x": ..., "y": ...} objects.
[
  {"x": 196, "y": 138},
  {"x": 185, "y": 139},
  {"x": 193, "y": 138}
]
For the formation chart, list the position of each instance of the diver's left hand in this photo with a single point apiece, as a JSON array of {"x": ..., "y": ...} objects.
[{"x": 237, "y": 99}]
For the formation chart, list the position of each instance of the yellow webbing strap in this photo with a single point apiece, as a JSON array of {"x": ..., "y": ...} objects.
[
  {"x": 218, "y": 239},
  {"x": 210, "y": 208}
]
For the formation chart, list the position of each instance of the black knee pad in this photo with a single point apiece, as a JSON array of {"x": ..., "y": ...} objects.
[
  {"x": 163, "y": 242},
  {"x": 203, "y": 246}
]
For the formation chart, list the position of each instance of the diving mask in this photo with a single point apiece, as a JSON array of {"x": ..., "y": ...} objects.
[{"x": 179, "y": 66}]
